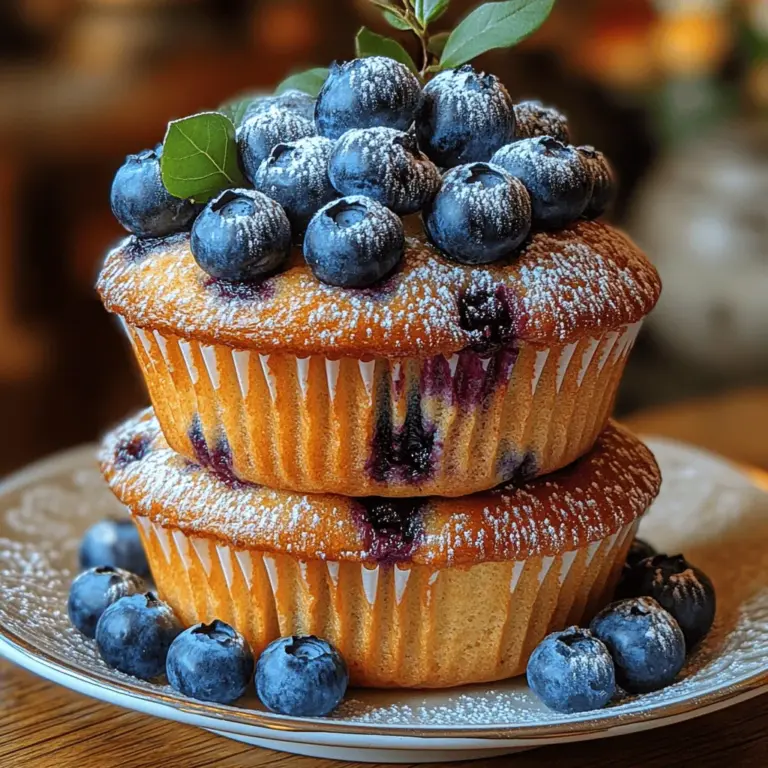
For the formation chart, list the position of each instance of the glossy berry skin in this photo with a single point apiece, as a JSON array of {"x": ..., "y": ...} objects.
[
  {"x": 368, "y": 92},
  {"x": 602, "y": 177},
  {"x": 681, "y": 589},
  {"x": 257, "y": 136},
  {"x": 481, "y": 214},
  {"x": 353, "y": 242},
  {"x": 464, "y": 116},
  {"x": 142, "y": 204},
  {"x": 554, "y": 175},
  {"x": 645, "y": 642},
  {"x": 532, "y": 118},
  {"x": 292, "y": 100},
  {"x": 116, "y": 543},
  {"x": 241, "y": 235},
  {"x": 302, "y": 676},
  {"x": 134, "y": 634},
  {"x": 385, "y": 165},
  {"x": 296, "y": 176},
  {"x": 210, "y": 662},
  {"x": 572, "y": 671},
  {"x": 96, "y": 589}
]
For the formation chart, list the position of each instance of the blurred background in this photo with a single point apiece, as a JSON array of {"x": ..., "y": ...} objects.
[{"x": 674, "y": 91}]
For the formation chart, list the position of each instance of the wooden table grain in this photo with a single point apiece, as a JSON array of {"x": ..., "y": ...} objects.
[{"x": 43, "y": 725}]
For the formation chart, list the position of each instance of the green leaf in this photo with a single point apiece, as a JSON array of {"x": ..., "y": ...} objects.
[
  {"x": 368, "y": 43},
  {"x": 398, "y": 22},
  {"x": 309, "y": 82},
  {"x": 493, "y": 25},
  {"x": 200, "y": 157},
  {"x": 236, "y": 108},
  {"x": 429, "y": 10},
  {"x": 437, "y": 42}
]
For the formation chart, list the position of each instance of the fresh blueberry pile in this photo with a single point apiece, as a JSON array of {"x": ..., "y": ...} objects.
[
  {"x": 374, "y": 132},
  {"x": 638, "y": 643},
  {"x": 138, "y": 634}
]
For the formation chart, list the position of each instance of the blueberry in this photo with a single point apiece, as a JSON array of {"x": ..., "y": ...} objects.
[
  {"x": 297, "y": 102},
  {"x": 353, "y": 242},
  {"x": 572, "y": 671},
  {"x": 142, "y": 204},
  {"x": 210, "y": 662},
  {"x": 364, "y": 93},
  {"x": 95, "y": 589},
  {"x": 682, "y": 590},
  {"x": 134, "y": 634},
  {"x": 639, "y": 549},
  {"x": 480, "y": 214},
  {"x": 553, "y": 174},
  {"x": 301, "y": 676},
  {"x": 259, "y": 134},
  {"x": 646, "y": 643},
  {"x": 116, "y": 543},
  {"x": 603, "y": 185},
  {"x": 241, "y": 235},
  {"x": 385, "y": 165},
  {"x": 532, "y": 118},
  {"x": 464, "y": 116},
  {"x": 296, "y": 176}
]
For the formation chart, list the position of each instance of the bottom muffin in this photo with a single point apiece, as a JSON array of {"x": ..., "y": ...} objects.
[{"x": 427, "y": 592}]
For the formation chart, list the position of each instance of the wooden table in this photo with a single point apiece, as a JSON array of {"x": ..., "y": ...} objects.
[{"x": 42, "y": 725}]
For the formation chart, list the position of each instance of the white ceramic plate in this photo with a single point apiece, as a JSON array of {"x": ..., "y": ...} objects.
[{"x": 712, "y": 511}]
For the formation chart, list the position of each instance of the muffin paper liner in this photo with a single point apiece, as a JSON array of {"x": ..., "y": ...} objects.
[
  {"x": 395, "y": 625},
  {"x": 446, "y": 426}
]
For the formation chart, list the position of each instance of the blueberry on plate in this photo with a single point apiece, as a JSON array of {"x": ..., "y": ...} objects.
[
  {"x": 572, "y": 671},
  {"x": 480, "y": 214},
  {"x": 292, "y": 100},
  {"x": 296, "y": 176},
  {"x": 464, "y": 116},
  {"x": 646, "y": 643},
  {"x": 364, "y": 93},
  {"x": 639, "y": 549},
  {"x": 353, "y": 242},
  {"x": 554, "y": 175},
  {"x": 302, "y": 676},
  {"x": 142, "y": 204},
  {"x": 385, "y": 165},
  {"x": 681, "y": 589},
  {"x": 241, "y": 235},
  {"x": 134, "y": 634},
  {"x": 96, "y": 589},
  {"x": 259, "y": 134},
  {"x": 116, "y": 543},
  {"x": 210, "y": 662},
  {"x": 603, "y": 185},
  {"x": 532, "y": 118}
]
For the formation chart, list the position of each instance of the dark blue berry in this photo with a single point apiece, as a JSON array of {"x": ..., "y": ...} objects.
[
  {"x": 532, "y": 118},
  {"x": 464, "y": 116},
  {"x": 385, "y": 165},
  {"x": 353, "y": 242},
  {"x": 364, "y": 93},
  {"x": 480, "y": 214},
  {"x": 134, "y": 634},
  {"x": 241, "y": 235},
  {"x": 257, "y": 136},
  {"x": 298, "y": 102},
  {"x": 142, "y": 204},
  {"x": 682, "y": 590},
  {"x": 301, "y": 676},
  {"x": 601, "y": 175},
  {"x": 296, "y": 176},
  {"x": 96, "y": 589},
  {"x": 646, "y": 643},
  {"x": 554, "y": 175},
  {"x": 210, "y": 662},
  {"x": 639, "y": 550},
  {"x": 572, "y": 671},
  {"x": 116, "y": 543}
]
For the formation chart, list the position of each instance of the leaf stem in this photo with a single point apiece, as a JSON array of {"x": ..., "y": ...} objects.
[{"x": 420, "y": 30}]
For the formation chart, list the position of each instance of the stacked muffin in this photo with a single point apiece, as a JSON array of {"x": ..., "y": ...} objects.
[{"x": 397, "y": 440}]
